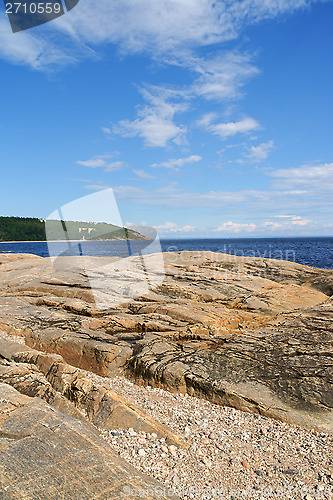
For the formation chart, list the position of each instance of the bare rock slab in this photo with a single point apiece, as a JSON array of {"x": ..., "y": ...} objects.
[
  {"x": 251, "y": 333},
  {"x": 48, "y": 455}
]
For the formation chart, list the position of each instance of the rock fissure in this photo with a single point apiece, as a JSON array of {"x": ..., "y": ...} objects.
[{"x": 235, "y": 330}]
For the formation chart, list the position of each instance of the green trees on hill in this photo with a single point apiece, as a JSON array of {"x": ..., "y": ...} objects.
[
  {"x": 27, "y": 229},
  {"x": 21, "y": 229}
]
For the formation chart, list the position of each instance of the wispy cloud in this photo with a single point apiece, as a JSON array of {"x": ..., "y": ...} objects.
[
  {"x": 142, "y": 174},
  {"x": 155, "y": 122},
  {"x": 171, "y": 197},
  {"x": 32, "y": 50},
  {"x": 106, "y": 130},
  {"x": 222, "y": 77},
  {"x": 159, "y": 29},
  {"x": 154, "y": 129},
  {"x": 164, "y": 28},
  {"x": 288, "y": 222},
  {"x": 313, "y": 177},
  {"x": 172, "y": 227},
  {"x": 175, "y": 164},
  {"x": 229, "y": 129},
  {"x": 259, "y": 153},
  {"x": 102, "y": 161},
  {"x": 236, "y": 227}
]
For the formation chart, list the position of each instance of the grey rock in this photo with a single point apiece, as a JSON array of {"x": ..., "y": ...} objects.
[{"x": 45, "y": 453}]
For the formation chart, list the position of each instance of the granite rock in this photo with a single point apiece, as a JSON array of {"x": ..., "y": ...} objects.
[{"x": 246, "y": 332}]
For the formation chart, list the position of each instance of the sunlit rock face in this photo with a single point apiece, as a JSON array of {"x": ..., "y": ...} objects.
[{"x": 251, "y": 333}]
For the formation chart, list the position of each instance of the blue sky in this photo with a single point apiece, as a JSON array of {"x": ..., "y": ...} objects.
[{"x": 207, "y": 119}]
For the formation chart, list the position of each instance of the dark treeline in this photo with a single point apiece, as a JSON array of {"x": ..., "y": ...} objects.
[
  {"x": 21, "y": 229},
  {"x": 28, "y": 229}
]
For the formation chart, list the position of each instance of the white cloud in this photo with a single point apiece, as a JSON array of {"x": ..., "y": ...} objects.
[
  {"x": 173, "y": 197},
  {"x": 290, "y": 222},
  {"x": 115, "y": 165},
  {"x": 155, "y": 131},
  {"x": 228, "y": 129},
  {"x": 259, "y": 153},
  {"x": 176, "y": 163},
  {"x": 142, "y": 174},
  {"x": 102, "y": 161},
  {"x": 206, "y": 120},
  {"x": 285, "y": 216},
  {"x": 155, "y": 122},
  {"x": 313, "y": 177},
  {"x": 30, "y": 49},
  {"x": 222, "y": 77},
  {"x": 106, "y": 130},
  {"x": 167, "y": 225},
  {"x": 96, "y": 187},
  {"x": 168, "y": 28},
  {"x": 235, "y": 227},
  {"x": 172, "y": 227}
]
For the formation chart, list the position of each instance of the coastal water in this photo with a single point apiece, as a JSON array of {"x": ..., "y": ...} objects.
[{"x": 316, "y": 252}]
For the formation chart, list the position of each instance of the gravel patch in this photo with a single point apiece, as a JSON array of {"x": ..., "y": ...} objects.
[{"x": 232, "y": 454}]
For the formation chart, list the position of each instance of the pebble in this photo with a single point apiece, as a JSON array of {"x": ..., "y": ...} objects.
[
  {"x": 228, "y": 449},
  {"x": 290, "y": 471}
]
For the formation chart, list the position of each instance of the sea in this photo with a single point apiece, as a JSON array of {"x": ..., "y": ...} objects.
[{"x": 311, "y": 251}]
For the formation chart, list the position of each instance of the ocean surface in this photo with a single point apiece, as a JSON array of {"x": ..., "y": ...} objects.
[{"x": 316, "y": 252}]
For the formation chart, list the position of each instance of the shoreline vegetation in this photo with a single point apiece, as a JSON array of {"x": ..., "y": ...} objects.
[{"x": 25, "y": 230}]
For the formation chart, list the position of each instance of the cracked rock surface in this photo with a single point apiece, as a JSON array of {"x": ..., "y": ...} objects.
[
  {"x": 251, "y": 333},
  {"x": 47, "y": 454}
]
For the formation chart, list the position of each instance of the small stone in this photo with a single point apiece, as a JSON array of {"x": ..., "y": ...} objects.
[
  {"x": 141, "y": 452},
  {"x": 245, "y": 464},
  {"x": 164, "y": 449},
  {"x": 175, "y": 480},
  {"x": 259, "y": 472},
  {"x": 290, "y": 471},
  {"x": 153, "y": 435},
  {"x": 115, "y": 433},
  {"x": 212, "y": 435}
]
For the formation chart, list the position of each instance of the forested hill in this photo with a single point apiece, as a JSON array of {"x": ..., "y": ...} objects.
[{"x": 28, "y": 229}]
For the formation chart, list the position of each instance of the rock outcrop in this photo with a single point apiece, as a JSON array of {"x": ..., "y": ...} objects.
[
  {"x": 47, "y": 454},
  {"x": 251, "y": 333},
  {"x": 69, "y": 390}
]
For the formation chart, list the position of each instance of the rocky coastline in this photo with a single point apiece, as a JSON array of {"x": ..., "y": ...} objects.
[{"x": 239, "y": 338}]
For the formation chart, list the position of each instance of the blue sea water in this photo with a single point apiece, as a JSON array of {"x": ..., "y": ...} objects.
[{"x": 316, "y": 252}]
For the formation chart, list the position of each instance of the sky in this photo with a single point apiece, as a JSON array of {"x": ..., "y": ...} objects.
[{"x": 208, "y": 119}]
